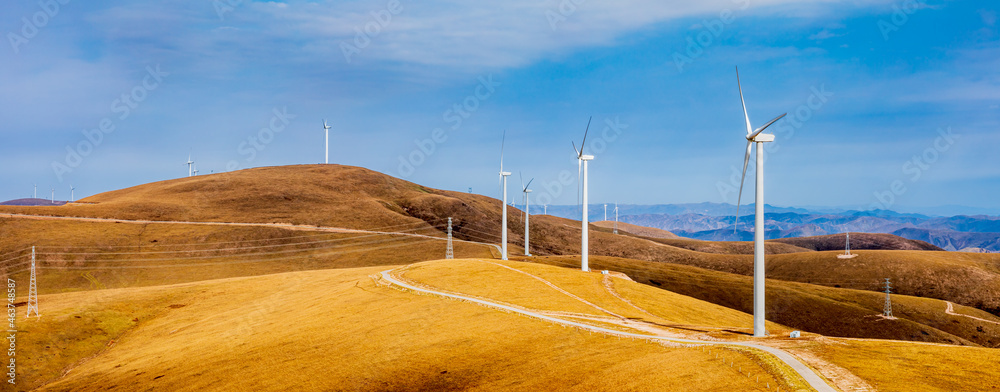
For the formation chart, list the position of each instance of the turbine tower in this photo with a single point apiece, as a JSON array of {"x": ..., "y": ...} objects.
[
  {"x": 72, "y": 198},
  {"x": 616, "y": 217},
  {"x": 36, "y": 191},
  {"x": 756, "y": 137},
  {"x": 605, "y": 211},
  {"x": 326, "y": 128},
  {"x": 582, "y": 164},
  {"x": 527, "y": 212},
  {"x": 189, "y": 163},
  {"x": 503, "y": 190},
  {"x": 53, "y": 195}
]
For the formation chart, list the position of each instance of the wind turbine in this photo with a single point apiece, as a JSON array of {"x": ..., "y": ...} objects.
[
  {"x": 36, "y": 191},
  {"x": 616, "y": 217},
  {"x": 189, "y": 163},
  {"x": 582, "y": 164},
  {"x": 503, "y": 190},
  {"x": 53, "y": 195},
  {"x": 755, "y": 136},
  {"x": 326, "y": 128},
  {"x": 195, "y": 169},
  {"x": 605, "y": 212},
  {"x": 527, "y": 212},
  {"x": 71, "y": 197}
]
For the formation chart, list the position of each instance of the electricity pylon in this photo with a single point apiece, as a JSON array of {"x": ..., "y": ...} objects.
[
  {"x": 450, "y": 252},
  {"x": 33, "y": 288}
]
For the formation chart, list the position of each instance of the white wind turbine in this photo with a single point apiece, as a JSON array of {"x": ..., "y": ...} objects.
[
  {"x": 326, "y": 128},
  {"x": 195, "y": 169},
  {"x": 582, "y": 165},
  {"x": 190, "y": 168},
  {"x": 527, "y": 212},
  {"x": 72, "y": 197},
  {"x": 503, "y": 190},
  {"x": 755, "y": 136}
]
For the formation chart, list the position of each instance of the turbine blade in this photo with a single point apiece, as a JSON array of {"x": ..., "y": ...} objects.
[
  {"x": 585, "y": 135},
  {"x": 529, "y": 184},
  {"x": 745, "y": 115},
  {"x": 577, "y": 152},
  {"x": 746, "y": 160},
  {"x": 761, "y": 129},
  {"x": 520, "y": 177}
]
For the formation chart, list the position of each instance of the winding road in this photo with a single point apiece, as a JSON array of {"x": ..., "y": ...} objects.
[{"x": 814, "y": 380}]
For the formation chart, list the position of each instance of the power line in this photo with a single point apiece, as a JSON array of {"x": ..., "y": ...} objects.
[
  {"x": 358, "y": 231},
  {"x": 240, "y": 248}
]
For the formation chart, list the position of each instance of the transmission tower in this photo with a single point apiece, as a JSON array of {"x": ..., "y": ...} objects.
[
  {"x": 887, "y": 310},
  {"x": 33, "y": 288},
  {"x": 450, "y": 252}
]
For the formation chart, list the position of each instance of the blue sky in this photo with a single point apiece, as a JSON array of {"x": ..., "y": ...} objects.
[{"x": 871, "y": 87}]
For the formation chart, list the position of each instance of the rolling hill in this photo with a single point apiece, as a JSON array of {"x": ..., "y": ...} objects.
[
  {"x": 343, "y": 330},
  {"x": 334, "y": 196}
]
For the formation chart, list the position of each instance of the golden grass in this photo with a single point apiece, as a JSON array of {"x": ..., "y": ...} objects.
[
  {"x": 276, "y": 333},
  {"x": 909, "y": 367},
  {"x": 813, "y": 308},
  {"x": 232, "y": 251}
]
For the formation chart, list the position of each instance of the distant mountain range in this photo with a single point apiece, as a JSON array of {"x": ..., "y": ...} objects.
[
  {"x": 714, "y": 221},
  {"x": 32, "y": 202}
]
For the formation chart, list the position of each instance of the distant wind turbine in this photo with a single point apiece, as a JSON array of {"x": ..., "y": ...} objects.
[
  {"x": 616, "y": 217},
  {"x": 36, "y": 191},
  {"x": 582, "y": 163},
  {"x": 195, "y": 169},
  {"x": 326, "y": 129},
  {"x": 72, "y": 197},
  {"x": 190, "y": 167},
  {"x": 53, "y": 195},
  {"x": 503, "y": 190},
  {"x": 527, "y": 212},
  {"x": 755, "y": 136}
]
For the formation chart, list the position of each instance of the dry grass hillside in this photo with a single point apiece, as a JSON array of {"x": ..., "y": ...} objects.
[
  {"x": 641, "y": 231},
  {"x": 869, "y": 241},
  {"x": 339, "y": 330},
  {"x": 73, "y": 255},
  {"x": 819, "y": 309}
]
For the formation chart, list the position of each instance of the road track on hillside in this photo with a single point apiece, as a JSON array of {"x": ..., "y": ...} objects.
[
  {"x": 243, "y": 224},
  {"x": 807, "y": 374},
  {"x": 951, "y": 311}
]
